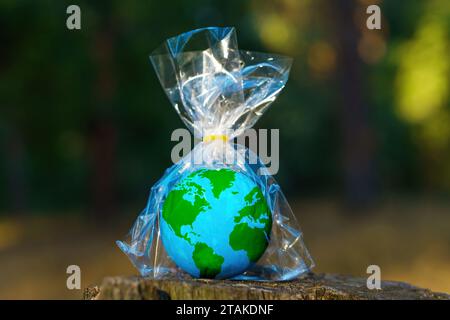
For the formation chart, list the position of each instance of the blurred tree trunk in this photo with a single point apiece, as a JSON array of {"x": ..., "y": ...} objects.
[
  {"x": 12, "y": 148},
  {"x": 14, "y": 152},
  {"x": 356, "y": 133},
  {"x": 102, "y": 129}
]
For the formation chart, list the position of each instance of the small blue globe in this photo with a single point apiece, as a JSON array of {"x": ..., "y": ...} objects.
[{"x": 215, "y": 223}]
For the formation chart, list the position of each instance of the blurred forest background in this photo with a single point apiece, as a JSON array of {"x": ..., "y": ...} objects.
[{"x": 85, "y": 131}]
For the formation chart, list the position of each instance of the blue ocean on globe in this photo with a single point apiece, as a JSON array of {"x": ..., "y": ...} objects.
[{"x": 215, "y": 223}]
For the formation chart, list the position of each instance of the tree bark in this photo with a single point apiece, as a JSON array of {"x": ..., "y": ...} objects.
[
  {"x": 310, "y": 287},
  {"x": 358, "y": 142},
  {"x": 16, "y": 182},
  {"x": 102, "y": 129}
]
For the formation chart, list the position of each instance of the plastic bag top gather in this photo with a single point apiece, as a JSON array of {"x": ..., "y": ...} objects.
[{"x": 215, "y": 87}]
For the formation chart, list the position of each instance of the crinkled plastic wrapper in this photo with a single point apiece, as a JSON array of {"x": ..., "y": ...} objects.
[{"x": 219, "y": 91}]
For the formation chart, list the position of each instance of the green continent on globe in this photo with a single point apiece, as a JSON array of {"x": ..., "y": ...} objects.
[
  {"x": 220, "y": 179},
  {"x": 255, "y": 208},
  {"x": 176, "y": 203},
  {"x": 253, "y": 240},
  {"x": 209, "y": 263}
]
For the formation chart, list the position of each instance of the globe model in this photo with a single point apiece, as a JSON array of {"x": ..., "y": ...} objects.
[{"x": 215, "y": 223}]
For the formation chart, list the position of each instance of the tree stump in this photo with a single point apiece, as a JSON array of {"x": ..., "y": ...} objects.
[{"x": 310, "y": 287}]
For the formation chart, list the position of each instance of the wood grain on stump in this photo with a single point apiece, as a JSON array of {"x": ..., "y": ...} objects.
[{"x": 310, "y": 287}]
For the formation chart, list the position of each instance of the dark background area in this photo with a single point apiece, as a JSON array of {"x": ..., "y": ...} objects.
[{"x": 364, "y": 131}]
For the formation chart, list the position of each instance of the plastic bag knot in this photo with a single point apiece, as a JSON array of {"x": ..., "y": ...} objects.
[{"x": 212, "y": 137}]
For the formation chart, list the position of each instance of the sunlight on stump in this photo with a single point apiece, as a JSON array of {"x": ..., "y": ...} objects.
[{"x": 311, "y": 287}]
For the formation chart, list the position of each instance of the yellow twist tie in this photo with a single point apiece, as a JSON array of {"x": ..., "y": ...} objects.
[{"x": 212, "y": 137}]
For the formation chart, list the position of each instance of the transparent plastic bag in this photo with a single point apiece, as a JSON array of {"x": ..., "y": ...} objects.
[{"x": 219, "y": 92}]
